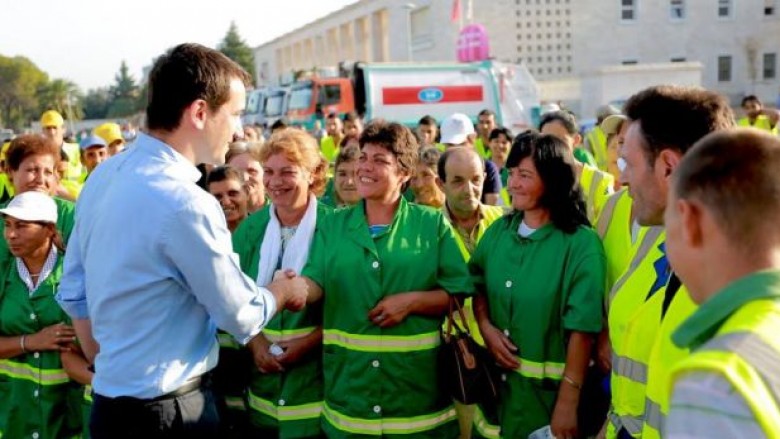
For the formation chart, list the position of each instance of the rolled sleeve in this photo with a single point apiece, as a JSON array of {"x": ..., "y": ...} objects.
[
  {"x": 198, "y": 244},
  {"x": 72, "y": 293}
]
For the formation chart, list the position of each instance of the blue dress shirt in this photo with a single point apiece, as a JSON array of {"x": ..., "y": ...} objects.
[{"x": 151, "y": 264}]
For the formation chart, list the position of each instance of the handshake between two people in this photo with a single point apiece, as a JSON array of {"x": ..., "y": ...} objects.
[{"x": 292, "y": 291}]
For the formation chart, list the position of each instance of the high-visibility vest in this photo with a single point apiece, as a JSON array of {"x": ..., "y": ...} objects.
[
  {"x": 664, "y": 356},
  {"x": 329, "y": 148},
  {"x": 596, "y": 186},
  {"x": 633, "y": 322},
  {"x": 745, "y": 351},
  {"x": 489, "y": 215},
  {"x": 75, "y": 168},
  {"x": 614, "y": 228},
  {"x": 597, "y": 141},
  {"x": 482, "y": 149},
  {"x": 762, "y": 123}
]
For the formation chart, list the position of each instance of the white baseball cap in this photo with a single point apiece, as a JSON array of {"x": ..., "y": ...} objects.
[
  {"x": 32, "y": 206},
  {"x": 456, "y": 129}
]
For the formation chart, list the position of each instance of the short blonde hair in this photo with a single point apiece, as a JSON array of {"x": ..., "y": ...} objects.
[{"x": 301, "y": 149}]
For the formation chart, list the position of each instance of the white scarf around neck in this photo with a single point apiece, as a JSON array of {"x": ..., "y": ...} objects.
[{"x": 297, "y": 251}]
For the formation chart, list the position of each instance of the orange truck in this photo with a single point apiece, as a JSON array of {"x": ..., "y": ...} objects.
[{"x": 404, "y": 92}]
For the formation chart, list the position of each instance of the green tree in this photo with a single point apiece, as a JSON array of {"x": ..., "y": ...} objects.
[
  {"x": 96, "y": 103},
  {"x": 236, "y": 49},
  {"x": 124, "y": 94},
  {"x": 61, "y": 95},
  {"x": 20, "y": 80}
]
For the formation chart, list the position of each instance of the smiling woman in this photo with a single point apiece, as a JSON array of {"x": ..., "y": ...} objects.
[
  {"x": 285, "y": 387},
  {"x": 386, "y": 268},
  {"x": 227, "y": 185}
]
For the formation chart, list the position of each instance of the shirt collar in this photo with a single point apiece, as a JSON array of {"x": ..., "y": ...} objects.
[
  {"x": 448, "y": 214},
  {"x": 181, "y": 167},
  {"x": 46, "y": 270},
  {"x": 540, "y": 233},
  {"x": 358, "y": 215},
  {"x": 707, "y": 320}
]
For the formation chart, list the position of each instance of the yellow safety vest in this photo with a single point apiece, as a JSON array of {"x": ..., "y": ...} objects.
[
  {"x": 75, "y": 168},
  {"x": 329, "y": 148},
  {"x": 614, "y": 228},
  {"x": 597, "y": 141},
  {"x": 489, "y": 215},
  {"x": 664, "y": 356},
  {"x": 597, "y": 186},
  {"x": 761, "y": 123},
  {"x": 633, "y": 324},
  {"x": 481, "y": 148},
  {"x": 746, "y": 352}
]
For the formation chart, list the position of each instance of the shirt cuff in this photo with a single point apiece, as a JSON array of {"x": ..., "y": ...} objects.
[
  {"x": 77, "y": 310},
  {"x": 267, "y": 302}
]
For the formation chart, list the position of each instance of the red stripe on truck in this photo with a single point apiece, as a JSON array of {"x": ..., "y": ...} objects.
[{"x": 432, "y": 94}]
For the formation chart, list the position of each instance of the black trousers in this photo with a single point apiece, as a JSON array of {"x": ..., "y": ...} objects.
[{"x": 191, "y": 415}]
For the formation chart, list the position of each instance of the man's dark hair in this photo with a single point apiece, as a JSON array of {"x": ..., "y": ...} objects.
[
  {"x": 427, "y": 120},
  {"x": 734, "y": 174},
  {"x": 750, "y": 98},
  {"x": 184, "y": 74},
  {"x": 280, "y": 124},
  {"x": 332, "y": 116},
  {"x": 395, "y": 138},
  {"x": 441, "y": 167},
  {"x": 351, "y": 117},
  {"x": 564, "y": 117},
  {"x": 225, "y": 172},
  {"x": 495, "y": 132},
  {"x": 555, "y": 165},
  {"x": 486, "y": 112},
  {"x": 674, "y": 117}
]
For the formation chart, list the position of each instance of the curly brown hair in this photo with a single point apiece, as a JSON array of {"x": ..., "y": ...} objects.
[
  {"x": 396, "y": 139},
  {"x": 28, "y": 145},
  {"x": 300, "y": 148}
]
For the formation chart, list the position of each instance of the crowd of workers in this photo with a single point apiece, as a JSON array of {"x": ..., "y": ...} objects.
[{"x": 625, "y": 283}]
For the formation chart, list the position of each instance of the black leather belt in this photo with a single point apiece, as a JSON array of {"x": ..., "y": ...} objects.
[{"x": 191, "y": 386}]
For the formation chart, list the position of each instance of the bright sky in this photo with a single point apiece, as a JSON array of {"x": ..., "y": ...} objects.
[{"x": 86, "y": 40}]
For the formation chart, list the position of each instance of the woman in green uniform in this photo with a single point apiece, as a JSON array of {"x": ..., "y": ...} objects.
[
  {"x": 341, "y": 190},
  {"x": 32, "y": 162},
  {"x": 540, "y": 274},
  {"x": 38, "y": 399},
  {"x": 386, "y": 268},
  {"x": 285, "y": 393}
]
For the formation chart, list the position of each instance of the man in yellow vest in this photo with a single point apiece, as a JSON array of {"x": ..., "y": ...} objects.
[
  {"x": 330, "y": 144},
  {"x": 756, "y": 116},
  {"x": 724, "y": 244},
  {"x": 664, "y": 122},
  {"x": 486, "y": 122},
  {"x": 53, "y": 127},
  {"x": 461, "y": 174},
  {"x": 596, "y": 138}
]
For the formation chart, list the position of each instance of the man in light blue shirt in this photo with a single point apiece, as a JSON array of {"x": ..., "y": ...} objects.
[{"x": 150, "y": 270}]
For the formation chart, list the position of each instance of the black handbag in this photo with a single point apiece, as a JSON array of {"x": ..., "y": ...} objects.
[{"x": 468, "y": 371}]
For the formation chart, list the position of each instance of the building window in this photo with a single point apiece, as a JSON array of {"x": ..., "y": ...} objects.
[
  {"x": 770, "y": 8},
  {"x": 628, "y": 10},
  {"x": 630, "y": 62},
  {"x": 724, "y": 8},
  {"x": 724, "y": 68},
  {"x": 680, "y": 59},
  {"x": 677, "y": 9},
  {"x": 770, "y": 65}
]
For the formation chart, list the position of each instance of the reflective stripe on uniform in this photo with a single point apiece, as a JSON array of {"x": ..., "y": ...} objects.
[
  {"x": 381, "y": 426},
  {"x": 595, "y": 181},
  {"x": 629, "y": 368},
  {"x": 533, "y": 369},
  {"x": 285, "y": 412},
  {"x": 275, "y": 336},
  {"x": 88, "y": 393},
  {"x": 654, "y": 417},
  {"x": 45, "y": 377},
  {"x": 235, "y": 403},
  {"x": 647, "y": 244},
  {"x": 227, "y": 341},
  {"x": 632, "y": 424},
  {"x": 381, "y": 343},
  {"x": 605, "y": 217},
  {"x": 756, "y": 352},
  {"x": 485, "y": 428}
]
